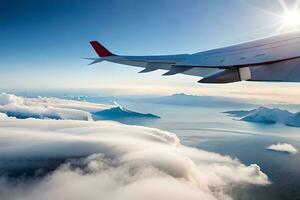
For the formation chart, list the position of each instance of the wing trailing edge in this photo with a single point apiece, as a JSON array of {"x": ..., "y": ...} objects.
[{"x": 177, "y": 70}]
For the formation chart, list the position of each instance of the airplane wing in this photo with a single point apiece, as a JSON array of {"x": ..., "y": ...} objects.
[{"x": 275, "y": 58}]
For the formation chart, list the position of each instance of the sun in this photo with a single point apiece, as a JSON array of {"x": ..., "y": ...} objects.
[
  {"x": 291, "y": 19},
  {"x": 285, "y": 21}
]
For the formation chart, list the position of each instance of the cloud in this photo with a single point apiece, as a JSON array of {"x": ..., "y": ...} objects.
[
  {"x": 115, "y": 162},
  {"x": 52, "y": 108},
  {"x": 283, "y": 147},
  {"x": 3, "y": 116}
]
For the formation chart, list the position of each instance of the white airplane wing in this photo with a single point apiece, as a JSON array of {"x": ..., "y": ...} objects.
[{"x": 275, "y": 58}]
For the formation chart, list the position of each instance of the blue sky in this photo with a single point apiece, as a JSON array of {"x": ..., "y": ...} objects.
[{"x": 42, "y": 42}]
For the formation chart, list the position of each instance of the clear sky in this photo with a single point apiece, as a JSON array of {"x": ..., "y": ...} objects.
[{"x": 42, "y": 42}]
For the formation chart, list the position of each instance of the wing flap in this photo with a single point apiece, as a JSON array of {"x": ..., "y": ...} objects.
[
  {"x": 148, "y": 69},
  {"x": 177, "y": 70}
]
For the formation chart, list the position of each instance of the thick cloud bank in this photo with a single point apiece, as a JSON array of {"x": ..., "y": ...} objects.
[
  {"x": 113, "y": 161},
  {"x": 52, "y": 108},
  {"x": 283, "y": 147},
  {"x": 268, "y": 115}
]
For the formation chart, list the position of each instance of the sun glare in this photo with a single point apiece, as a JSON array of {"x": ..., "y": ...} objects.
[
  {"x": 288, "y": 19},
  {"x": 291, "y": 18}
]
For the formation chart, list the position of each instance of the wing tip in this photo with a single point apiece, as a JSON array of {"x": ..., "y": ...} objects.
[{"x": 100, "y": 49}]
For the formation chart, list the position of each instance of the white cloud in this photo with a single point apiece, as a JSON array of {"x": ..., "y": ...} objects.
[
  {"x": 52, "y": 108},
  {"x": 123, "y": 163},
  {"x": 283, "y": 147},
  {"x": 3, "y": 116}
]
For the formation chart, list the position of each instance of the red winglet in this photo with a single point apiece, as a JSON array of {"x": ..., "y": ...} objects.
[{"x": 100, "y": 50}]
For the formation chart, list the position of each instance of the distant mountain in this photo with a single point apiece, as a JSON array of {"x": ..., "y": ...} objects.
[
  {"x": 180, "y": 99},
  {"x": 194, "y": 100},
  {"x": 268, "y": 115},
  {"x": 92, "y": 98},
  {"x": 120, "y": 112}
]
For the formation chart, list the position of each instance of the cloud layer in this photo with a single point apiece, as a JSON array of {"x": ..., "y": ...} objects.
[
  {"x": 51, "y": 108},
  {"x": 115, "y": 162},
  {"x": 283, "y": 147}
]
